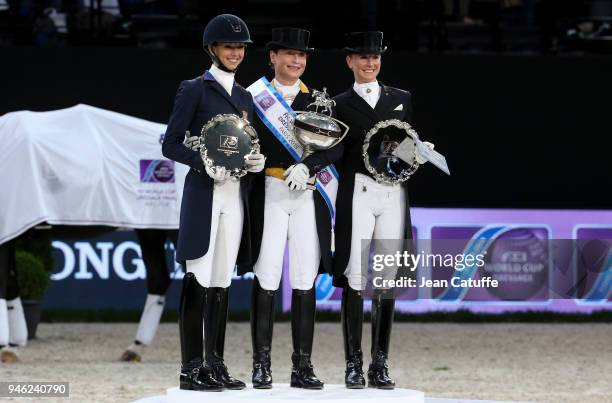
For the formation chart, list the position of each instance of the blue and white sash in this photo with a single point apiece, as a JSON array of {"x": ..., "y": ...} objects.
[{"x": 278, "y": 116}]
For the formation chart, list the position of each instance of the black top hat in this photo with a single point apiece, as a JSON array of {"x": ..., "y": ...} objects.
[
  {"x": 290, "y": 38},
  {"x": 365, "y": 42}
]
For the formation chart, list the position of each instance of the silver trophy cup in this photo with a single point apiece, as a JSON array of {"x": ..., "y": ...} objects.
[{"x": 317, "y": 130}]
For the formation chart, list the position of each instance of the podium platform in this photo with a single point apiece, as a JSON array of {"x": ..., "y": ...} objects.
[{"x": 283, "y": 393}]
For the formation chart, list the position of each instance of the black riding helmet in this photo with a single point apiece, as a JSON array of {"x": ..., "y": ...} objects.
[{"x": 225, "y": 28}]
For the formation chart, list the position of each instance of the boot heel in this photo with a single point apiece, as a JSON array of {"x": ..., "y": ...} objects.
[
  {"x": 185, "y": 385},
  {"x": 294, "y": 382}
]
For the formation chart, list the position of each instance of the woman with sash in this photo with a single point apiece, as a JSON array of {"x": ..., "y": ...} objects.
[{"x": 284, "y": 211}]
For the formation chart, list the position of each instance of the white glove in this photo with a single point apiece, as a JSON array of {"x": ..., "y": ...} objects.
[
  {"x": 419, "y": 158},
  {"x": 192, "y": 142},
  {"x": 219, "y": 174},
  {"x": 255, "y": 162},
  {"x": 297, "y": 176}
]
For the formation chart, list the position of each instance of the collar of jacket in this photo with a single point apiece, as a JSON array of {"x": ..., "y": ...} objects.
[
  {"x": 207, "y": 76},
  {"x": 303, "y": 87},
  {"x": 233, "y": 100},
  {"x": 360, "y": 104},
  {"x": 383, "y": 89}
]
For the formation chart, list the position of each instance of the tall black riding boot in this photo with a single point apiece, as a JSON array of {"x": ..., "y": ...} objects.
[
  {"x": 215, "y": 320},
  {"x": 352, "y": 322},
  {"x": 195, "y": 375},
  {"x": 262, "y": 326},
  {"x": 303, "y": 308},
  {"x": 383, "y": 307}
]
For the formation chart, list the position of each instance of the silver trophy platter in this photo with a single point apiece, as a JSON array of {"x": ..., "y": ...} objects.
[
  {"x": 225, "y": 140},
  {"x": 379, "y": 145}
]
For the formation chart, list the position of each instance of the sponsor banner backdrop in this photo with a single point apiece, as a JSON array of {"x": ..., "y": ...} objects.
[
  {"x": 542, "y": 260},
  {"x": 107, "y": 272}
]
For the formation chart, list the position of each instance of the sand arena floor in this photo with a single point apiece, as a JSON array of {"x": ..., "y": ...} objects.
[{"x": 527, "y": 362}]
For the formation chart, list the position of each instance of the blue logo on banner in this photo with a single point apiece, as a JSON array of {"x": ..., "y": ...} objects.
[
  {"x": 324, "y": 287},
  {"x": 600, "y": 291},
  {"x": 478, "y": 245}
]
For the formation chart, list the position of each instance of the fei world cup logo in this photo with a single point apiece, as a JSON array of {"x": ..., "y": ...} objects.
[
  {"x": 517, "y": 257},
  {"x": 264, "y": 100},
  {"x": 324, "y": 176},
  {"x": 156, "y": 171}
]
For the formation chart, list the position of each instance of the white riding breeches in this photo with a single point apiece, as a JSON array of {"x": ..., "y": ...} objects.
[
  {"x": 216, "y": 267},
  {"x": 379, "y": 213},
  {"x": 289, "y": 215}
]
